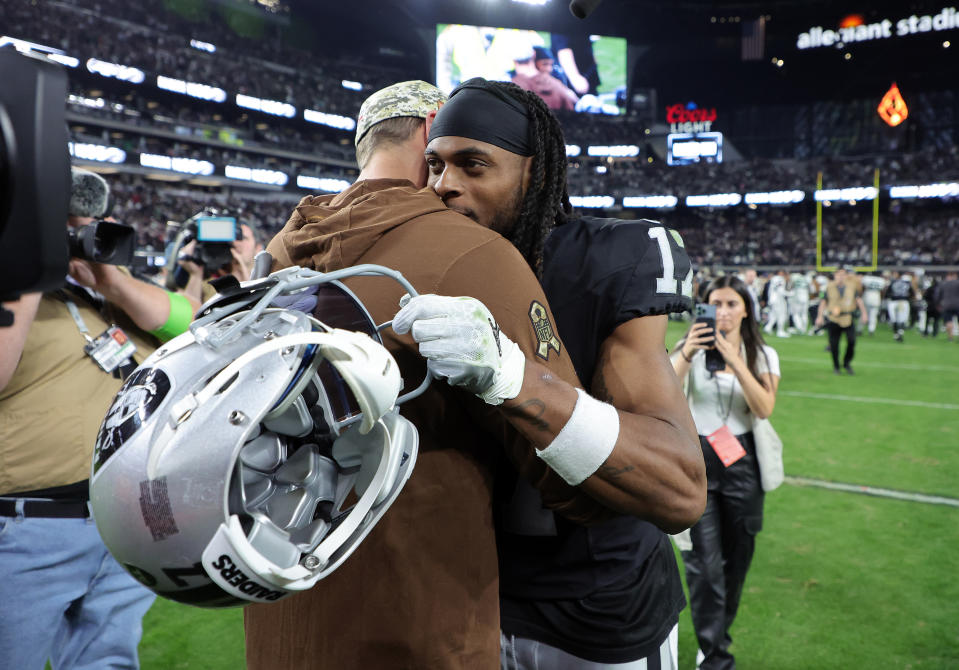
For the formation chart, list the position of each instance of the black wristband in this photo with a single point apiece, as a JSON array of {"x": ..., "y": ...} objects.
[{"x": 682, "y": 352}]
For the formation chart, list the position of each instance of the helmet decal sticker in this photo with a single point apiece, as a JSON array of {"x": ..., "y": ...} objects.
[
  {"x": 140, "y": 396},
  {"x": 156, "y": 510}
]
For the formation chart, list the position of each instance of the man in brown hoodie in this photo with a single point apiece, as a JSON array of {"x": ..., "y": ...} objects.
[{"x": 421, "y": 591}]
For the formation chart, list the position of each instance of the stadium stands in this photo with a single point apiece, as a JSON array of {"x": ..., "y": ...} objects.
[{"x": 114, "y": 111}]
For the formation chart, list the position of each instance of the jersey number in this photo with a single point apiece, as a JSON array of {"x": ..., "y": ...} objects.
[{"x": 668, "y": 283}]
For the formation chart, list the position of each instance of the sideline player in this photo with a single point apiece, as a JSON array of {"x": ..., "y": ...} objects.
[
  {"x": 899, "y": 294},
  {"x": 778, "y": 312},
  {"x": 573, "y": 596},
  {"x": 799, "y": 301},
  {"x": 872, "y": 285}
]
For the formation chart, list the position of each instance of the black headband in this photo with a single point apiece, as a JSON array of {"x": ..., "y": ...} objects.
[{"x": 481, "y": 111}]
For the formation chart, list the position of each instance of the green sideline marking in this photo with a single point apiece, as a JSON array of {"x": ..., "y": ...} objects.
[
  {"x": 881, "y": 401},
  {"x": 873, "y": 491}
]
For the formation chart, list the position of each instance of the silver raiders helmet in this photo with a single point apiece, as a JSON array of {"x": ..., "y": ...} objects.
[{"x": 247, "y": 458}]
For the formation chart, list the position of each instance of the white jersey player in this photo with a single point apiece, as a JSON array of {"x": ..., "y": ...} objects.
[
  {"x": 873, "y": 286},
  {"x": 922, "y": 307},
  {"x": 799, "y": 300},
  {"x": 776, "y": 298}
]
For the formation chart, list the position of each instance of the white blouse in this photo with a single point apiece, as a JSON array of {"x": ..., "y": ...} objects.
[{"x": 713, "y": 398}]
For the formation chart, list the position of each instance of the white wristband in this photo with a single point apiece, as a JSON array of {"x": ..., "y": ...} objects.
[{"x": 585, "y": 442}]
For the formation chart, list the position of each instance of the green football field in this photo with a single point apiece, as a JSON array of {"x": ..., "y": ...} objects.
[{"x": 840, "y": 579}]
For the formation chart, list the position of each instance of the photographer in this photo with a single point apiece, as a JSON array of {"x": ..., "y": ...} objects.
[
  {"x": 240, "y": 265},
  {"x": 724, "y": 399},
  {"x": 61, "y": 364},
  {"x": 840, "y": 302}
]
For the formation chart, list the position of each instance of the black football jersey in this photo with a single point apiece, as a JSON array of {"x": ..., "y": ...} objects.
[
  {"x": 900, "y": 289},
  {"x": 600, "y": 273},
  {"x": 609, "y": 592}
]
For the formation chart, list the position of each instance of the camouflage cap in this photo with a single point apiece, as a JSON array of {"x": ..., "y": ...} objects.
[{"x": 407, "y": 98}]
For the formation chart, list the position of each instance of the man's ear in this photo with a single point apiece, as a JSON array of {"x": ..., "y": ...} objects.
[
  {"x": 430, "y": 116},
  {"x": 527, "y": 171}
]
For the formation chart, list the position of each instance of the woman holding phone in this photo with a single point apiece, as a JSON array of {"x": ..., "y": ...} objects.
[{"x": 724, "y": 401}]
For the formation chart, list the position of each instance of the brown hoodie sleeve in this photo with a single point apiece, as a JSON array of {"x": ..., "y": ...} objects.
[
  {"x": 496, "y": 274},
  {"x": 277, "y": 247}
]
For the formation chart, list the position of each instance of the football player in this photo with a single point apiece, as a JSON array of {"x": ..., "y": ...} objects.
[
  {"x": 799, "y": 301},
  {"x": 778, "y": 312},
  {"x": 574, "y": 596},
  {"x": 899, "y": 293},
  {"x": 873, "y": 285}
]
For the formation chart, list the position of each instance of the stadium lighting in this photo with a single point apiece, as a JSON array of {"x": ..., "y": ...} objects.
[
  {"x": 93, "y": 103},
  {"x": 714, "y": 200},
  {"x": 191, "y": 88},
  {"x": 618, "y": 150},
  {"x": 115, "y": 71},
  {"x": 853, "y": 194},
  {"x": 97, "y": 152},
  {"x": 54, "y": 54},
  {"x": 274, "y": 107},
  {"x": 69, "y": 61},
  {"x": 322, "y": 184},
  {"x": 573, "y": 150},
  {"x": 538, "y": 3},
  {"x": 203, "y": 46},
  {"x": 332, "y": 120},
  {"x": 352, "y": 85},
  {"x": 775, "y": 198},
  {"x": 257, "y": 175},
  {"x": 592, "y": 201},
  {"x": 184, "y": 165},
  {"x": 943, "y": 190},
  {"x": 651, "y": 201}
]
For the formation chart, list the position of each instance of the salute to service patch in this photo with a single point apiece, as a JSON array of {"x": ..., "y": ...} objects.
[{"x": 544, "y": 330}]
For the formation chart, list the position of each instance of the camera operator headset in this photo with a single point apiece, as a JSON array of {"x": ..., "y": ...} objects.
[
  {"x": 61, "y": 364},
  {"x": 210, "y": 244}
]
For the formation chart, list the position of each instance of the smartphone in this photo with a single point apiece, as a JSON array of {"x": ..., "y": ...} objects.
[{"x": 707, "y": 314}]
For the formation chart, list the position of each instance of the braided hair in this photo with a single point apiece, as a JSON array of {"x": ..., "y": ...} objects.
[{"x": 546, "y": 201}]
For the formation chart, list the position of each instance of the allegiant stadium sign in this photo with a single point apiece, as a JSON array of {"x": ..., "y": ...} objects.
[{"x": 853, "y": 29}]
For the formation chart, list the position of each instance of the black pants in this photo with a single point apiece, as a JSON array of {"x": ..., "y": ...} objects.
[
  {"x": 723, "y": 544},
  {"x": 835, "y": 330}
]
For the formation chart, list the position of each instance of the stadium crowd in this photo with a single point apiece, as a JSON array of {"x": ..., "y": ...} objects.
[
  {"x": 116, "y": 32},
  {"x": 140, "y": 119}
]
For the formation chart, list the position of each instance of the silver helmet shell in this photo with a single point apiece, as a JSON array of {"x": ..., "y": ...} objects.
[{"x": 246, "y": 459}]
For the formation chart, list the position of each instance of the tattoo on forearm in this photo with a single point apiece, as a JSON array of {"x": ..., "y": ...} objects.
[
  {"x": 613, "y": 472},
  {"x": 531, "y": 410},
  {"x": 600, "y": 391}
]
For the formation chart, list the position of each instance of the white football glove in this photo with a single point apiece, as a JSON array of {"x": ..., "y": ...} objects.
[{"x": 462, "y": 343}]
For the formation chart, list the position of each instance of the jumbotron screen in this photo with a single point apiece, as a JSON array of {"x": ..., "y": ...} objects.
[{"x": 581, "y": 72}]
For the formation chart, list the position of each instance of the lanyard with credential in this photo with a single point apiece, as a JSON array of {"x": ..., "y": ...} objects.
[
  {"x": 110, "y": 350},
  {"x": 724, "y": 443},
  {"x": 78, "y": 319},
  {"x": 724, "y": 414}
]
